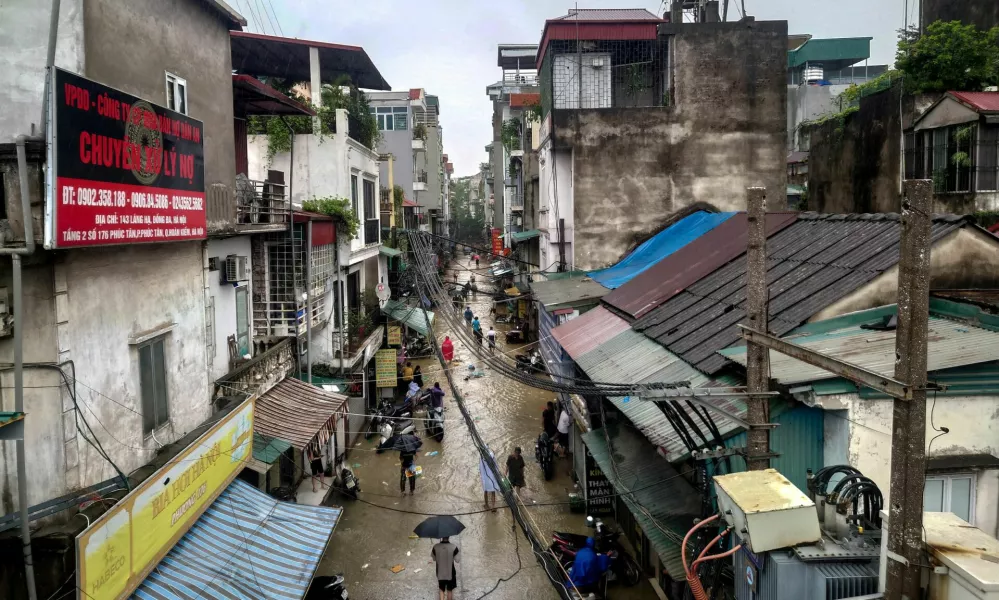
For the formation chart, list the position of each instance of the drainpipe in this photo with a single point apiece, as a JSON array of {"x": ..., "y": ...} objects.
[{"x": 308, "y": 300}]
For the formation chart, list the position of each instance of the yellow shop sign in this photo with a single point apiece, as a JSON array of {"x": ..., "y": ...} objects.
[{"x": 116, "y": 553}]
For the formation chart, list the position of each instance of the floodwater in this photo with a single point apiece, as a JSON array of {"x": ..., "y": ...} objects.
[{"x": 373, "y": 535}]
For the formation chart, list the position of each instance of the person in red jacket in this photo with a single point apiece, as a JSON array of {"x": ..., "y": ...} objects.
[{"x": 447, "y": 349}]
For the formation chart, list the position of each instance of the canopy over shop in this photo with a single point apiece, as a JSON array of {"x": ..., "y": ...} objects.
[{"x": 411, "y": 317}]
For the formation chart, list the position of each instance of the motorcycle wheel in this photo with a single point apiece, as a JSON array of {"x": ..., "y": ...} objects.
[
  {"x": 630, "y": 573},
  {"x": 549, "y": 470}
]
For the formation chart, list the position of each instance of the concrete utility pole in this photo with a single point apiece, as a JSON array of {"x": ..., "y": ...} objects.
[
  {"x": 908, "y": 440},
  {"x": 757, "y": 356}
]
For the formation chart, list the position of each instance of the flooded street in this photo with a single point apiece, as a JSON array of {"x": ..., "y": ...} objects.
[{"x": 374, "y": 534}]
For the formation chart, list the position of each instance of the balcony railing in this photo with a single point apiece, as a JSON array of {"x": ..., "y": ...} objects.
[
  {"x": 515, "y": 78},
  {"x": 372, "y": 231},
  {"x": 261, "y": 202},
  {"x": 517, "y": 201}
]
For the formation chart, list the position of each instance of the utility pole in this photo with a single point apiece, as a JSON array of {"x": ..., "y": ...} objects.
[
  {"x": 757, "y": 356},
  {"x": 908, "y": 440}
]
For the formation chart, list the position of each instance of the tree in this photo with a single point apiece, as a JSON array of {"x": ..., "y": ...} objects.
[
  {"x": 467, "y": 227},
  {"x": 948, "y": 56}
]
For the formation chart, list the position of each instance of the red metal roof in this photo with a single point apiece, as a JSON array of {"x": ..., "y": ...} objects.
[
  {"x": 302, "y": 216},
  {"x": 408, "y": 202},
  {"x": 980, "y": 101},
  {"x": 414, "y": 93},
  {"x": 589, "y": 330},
  {"x": 524, "y": 100},
  {"x": 600, "y": 24},
  {"x": 689, "y": 264}
]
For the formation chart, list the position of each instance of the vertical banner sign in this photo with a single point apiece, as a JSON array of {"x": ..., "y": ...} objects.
[
  {"x": 125, "y": 171},
  {"x": 385, "y": 368},
  {"x": 599, "y": 494},
  {"x": 497, "y": 242},
  {"x": 118, "y": 550},
  {"x": 394, "y": 335}
]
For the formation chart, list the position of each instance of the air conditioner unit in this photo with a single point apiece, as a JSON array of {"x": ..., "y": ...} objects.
[{"x": 236, "y": 269}]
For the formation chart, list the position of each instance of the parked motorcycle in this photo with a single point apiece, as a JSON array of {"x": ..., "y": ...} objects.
[
  {"x": 434, "y": 423},
  {"x": 545, "y": 453},
  {"x": 386, "y": 412},
  {"x": 327, "y": 587},
  {"x": 395, "y": 426},
  {"x": 347, "y": 482},
  {"x": 623, "y": 569},
  {"x": 531, "y": 363}
]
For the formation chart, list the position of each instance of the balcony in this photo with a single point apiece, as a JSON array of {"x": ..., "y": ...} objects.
[
  {"x": 420, "y": 182},
  {"x": 517, "y": 201},
  {"x": 372, "y": 231},
  {"x": 513, "y": 78},
  {"x": 261, "y": 205},
  {"x": 419, "y": 145}
]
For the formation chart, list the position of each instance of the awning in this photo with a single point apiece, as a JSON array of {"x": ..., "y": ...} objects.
[
  {"x": 297, "y": 412},
  {"x": 247, "y": 545},
  {"x": 568, "y": 293},
  {"x": 251, "y": 96},
  {"x": 390, "y": 252},
  {"x": 410, "y": 316},
  {"x": 267, "y": 449},
  {"x": 657, "y": 496},
  {"x": 523, "y": 236}
]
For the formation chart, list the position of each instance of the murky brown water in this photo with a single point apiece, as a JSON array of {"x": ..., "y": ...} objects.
[{"x": 373, "y": 536}]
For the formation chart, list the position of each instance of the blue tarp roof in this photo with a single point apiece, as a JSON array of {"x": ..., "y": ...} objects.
[
  {"x": 246, "y": 545},
  {"x": 660, "y": 246}
]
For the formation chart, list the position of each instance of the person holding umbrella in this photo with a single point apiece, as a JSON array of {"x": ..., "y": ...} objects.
[
  {"x": 444, "y": 553},
  {"x": 407, "y": 470}
]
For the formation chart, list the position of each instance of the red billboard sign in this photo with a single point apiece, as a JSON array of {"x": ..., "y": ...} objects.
[
  {"x": 126, "y": 171},
  {"x": 497, "y": 242}
]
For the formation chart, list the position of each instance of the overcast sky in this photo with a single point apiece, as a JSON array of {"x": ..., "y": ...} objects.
[{"x": 448, "y": 47}]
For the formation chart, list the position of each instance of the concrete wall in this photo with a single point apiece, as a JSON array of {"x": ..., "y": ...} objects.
[
  {"x": 128, "y": 48},
  {"x": 965, "y": 259},
  {"x": 807, "y": 103},
  {"x": 634, "y": 167},
  {"x": 973, "y": 422},
  {"x": 555, "y": 173},
  {"x": 431, "y": 162},
  {"x": 224, "y": 295},
  {"x": 24, "y": 31},
  {"x": 984, "y": 14},
  {"x": 397, "y": 143}
]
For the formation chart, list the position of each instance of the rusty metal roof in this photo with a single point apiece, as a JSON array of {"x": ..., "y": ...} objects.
[
  {"x": 297, "y": 412},
  {"x": 608, "y": 14},
  {"x": 589, "y": 330},
  {"x": 811, "y": 263},
  {"x": 565, "y": 293},
  {"x": 690, "y": 263},
  {"x": 980, "y": 101}
]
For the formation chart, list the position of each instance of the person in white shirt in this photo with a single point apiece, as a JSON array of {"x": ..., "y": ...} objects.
[
  {"x": 491, "y": 336},
  {"x": 564, "y": 424}
]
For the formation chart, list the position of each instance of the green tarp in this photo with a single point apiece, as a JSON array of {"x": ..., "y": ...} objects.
[{"x": 267, "y": 449}]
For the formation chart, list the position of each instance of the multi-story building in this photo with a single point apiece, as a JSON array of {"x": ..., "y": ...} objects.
[
  {"x": 643, "y": 117},
  {"x": 410, "y": 131}
]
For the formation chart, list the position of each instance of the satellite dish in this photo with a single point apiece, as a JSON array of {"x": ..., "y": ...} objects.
[{"x": 383, "y": 292}]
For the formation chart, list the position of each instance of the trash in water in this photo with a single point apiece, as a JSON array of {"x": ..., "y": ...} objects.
[
  {"x": 356, "y": 465},
  {"x": 434, "y": 453},
  {"x": 417, "y": 570},
  {"x": 384, "y": 483},
  {"x": 364, "y": 566},
  {"x": 397, "y": 569},
  {"x": 409, "y": 554},
  {"x": 627, "y": 399},
  {"x": 413, "y": 536}
]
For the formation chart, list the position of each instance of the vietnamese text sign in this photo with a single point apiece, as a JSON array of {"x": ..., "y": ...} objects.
[
  {"x": 117, "y": 551},
  {"x": 599, "y": 494},
  {"x": 125, "y": 171},
  {"x": 497, "y": 242},
  {"x": 394, "y": 335},
  {"x": 385, "y": 368}
]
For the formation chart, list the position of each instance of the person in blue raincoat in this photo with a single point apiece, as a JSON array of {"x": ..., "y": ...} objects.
[{"x": 588, "y": 567}]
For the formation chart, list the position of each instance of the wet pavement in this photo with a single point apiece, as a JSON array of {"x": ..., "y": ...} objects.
[{"x": 373, "y": 535}]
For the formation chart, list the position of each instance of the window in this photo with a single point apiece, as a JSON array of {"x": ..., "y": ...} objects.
[
  {"x": 152, "y": 384},
  {"x": 370, "y": 210},
  {"x": 391, "y": 118},
  {"x": 400, "y": 116},
  {"x": 210, "y": 326},
  {"x": 951, "y": 493},
  {"x": 353, "y": 194},
  {"x": 950, "y": 156},
  {"x": 987, "y": 159},
  {"x": 176, "y": 92}
]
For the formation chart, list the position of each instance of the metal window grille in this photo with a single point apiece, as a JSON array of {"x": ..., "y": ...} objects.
[
  {"x": 958, "y": 158},
  {"x": 152, "y": 384},
  {"x": 275, "y": 310},
  {"x": 210, "y": 327},
  {"x": 606, "y": 74}
]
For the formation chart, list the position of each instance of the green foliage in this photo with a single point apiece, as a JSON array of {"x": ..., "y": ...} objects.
[
  {"x": 420, "y": 132},
  {"x": 359, "y": 326},
  {"x": 637, "y": 79},
  {"x": 940, "y": 180},
  {"x": 960, "y": 159},
  {"x": 468, "y": 227},
  {"x": 854, "y": 93},
  {"x": 510, "y": 134},
  {"x": 534, "y": 112},
  {"x": 278, "y": 130},
  {"x": 369, "y": 300},
  {"x": 987, "y": 218},
  {"x": 347, "y": 223},
  {"x": 963, "y": 134},
  {"x": 948, "y": 56}
]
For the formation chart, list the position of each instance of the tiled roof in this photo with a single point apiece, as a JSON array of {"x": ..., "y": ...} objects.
[
  {"x": 980, "y": 101},
  {"x": 608, "y": 14},
  {"x": 812, "y": 263}
]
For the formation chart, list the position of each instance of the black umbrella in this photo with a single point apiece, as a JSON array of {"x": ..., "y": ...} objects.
[
  {"x": 439, "y": 527},
  {"x": 406, "y": 443}
]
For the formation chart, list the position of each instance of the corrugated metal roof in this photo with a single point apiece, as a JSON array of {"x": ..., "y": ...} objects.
[
  {"x": 267, "y": 449},
  {"x": 811, "y": 264},
  {"x": 646, "y": 481},
  {"x": 410, "y": 316},
  {"x": 247, "y": 545},
  {"x": 981, "y": 101},
  {"x": 833, "y": 53},
  {"x": 674, "y": 273},
  {"x": 659, "y": 246},
  {"x": 297, "y": 412},
  {"x": 608, "y": 14},
  {"x": 588, "y": 330},
  {"x": 951, "y": 344},
  {"x": 562, "y": 293},
  {"x": 630, "y": 357}
]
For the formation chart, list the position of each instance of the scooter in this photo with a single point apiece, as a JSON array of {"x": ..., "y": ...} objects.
[
  {"x": 434, "y": 423},
  {"x": 386, "y": 410},
  {"x": 327, "y": 587},
  {"x": 544, "y": 452},
  {"x": 348, "y": 483},
  {"x": 623, "y": 568},
  {"x": 393, "y": 427},
  {"x": 531, "y": 363}
]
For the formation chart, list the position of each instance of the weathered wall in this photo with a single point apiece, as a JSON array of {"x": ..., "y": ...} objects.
[
  {"x": 555, "y": 173},
  {"x": 965, "y": 259},
  {"x": 431, "y": 162},
  {"x": 225, "y": 300},
  {"x": 984, "y": 14},
  {"x": 24, "y": 35},
  {"x": 974, "y": 425},
  {"x": 128, "y": 48},
  {"x": 726, "y": 131},
  {"x": 400, "y": 145},
  {"x": 807, "y": 103},
  {"x": 499, "y": 169}
]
